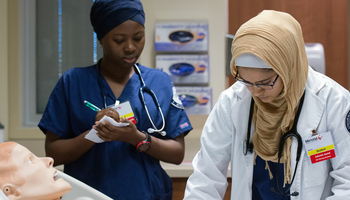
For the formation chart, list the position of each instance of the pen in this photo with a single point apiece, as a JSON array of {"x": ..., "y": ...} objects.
[{"x": 92, "y": 106}]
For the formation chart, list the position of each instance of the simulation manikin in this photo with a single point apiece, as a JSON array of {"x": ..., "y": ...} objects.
[{"x": 25, "y": 176}]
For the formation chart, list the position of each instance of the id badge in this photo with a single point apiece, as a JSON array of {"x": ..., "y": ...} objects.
[
  {"x": 124, "y": 110},
  {"x": 320, "y": 147}
]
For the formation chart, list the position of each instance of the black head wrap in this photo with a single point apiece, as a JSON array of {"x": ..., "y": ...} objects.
[{"x": 105, "y": 15}]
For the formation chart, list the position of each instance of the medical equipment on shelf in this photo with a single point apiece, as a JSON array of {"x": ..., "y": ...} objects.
[
  {"x": 248, "y": 146},
  {"x": 142, "y": 90}
]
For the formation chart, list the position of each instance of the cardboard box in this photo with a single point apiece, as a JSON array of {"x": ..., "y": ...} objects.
[
  {"x": 185, "y": 69},
  {"x": 182, "y": 36},
  {"x": 196, "y": 100}
]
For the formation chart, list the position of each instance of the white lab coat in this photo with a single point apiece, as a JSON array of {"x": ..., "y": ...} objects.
[{"x": 325, "y": 108}]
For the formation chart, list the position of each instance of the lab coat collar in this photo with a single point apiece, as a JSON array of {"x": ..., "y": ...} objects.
[
  {"x": 240, "y": 115},
  {"x": 241, "y": 91},
  {"x": 314, "y": 83},
  {"x": 309, "y": 120}
]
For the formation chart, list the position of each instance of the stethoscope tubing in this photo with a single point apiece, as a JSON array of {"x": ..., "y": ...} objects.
[
  {"x": 292, "y": 133},
  {"x": 143, "y": 89},
  {"x": 248, "y": 146}
]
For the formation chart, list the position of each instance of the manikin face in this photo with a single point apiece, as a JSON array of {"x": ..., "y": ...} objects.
[
  {"x": 123, "y": 45},
  {"x": 261, "y": 76},
  {"x": 41, "y": 183}
]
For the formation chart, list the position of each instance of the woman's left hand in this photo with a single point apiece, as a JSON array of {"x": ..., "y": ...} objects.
[
  {"x": 129, "y": 134},
  {"x": 167, "y": 150}
]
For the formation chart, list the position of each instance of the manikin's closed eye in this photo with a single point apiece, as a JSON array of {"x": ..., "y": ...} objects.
[{"x": 29, "y": 158}]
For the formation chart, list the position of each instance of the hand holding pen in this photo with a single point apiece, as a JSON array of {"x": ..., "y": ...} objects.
[
  {"x": 109, "y": 132},
  {"x": 110, "y": 112}
]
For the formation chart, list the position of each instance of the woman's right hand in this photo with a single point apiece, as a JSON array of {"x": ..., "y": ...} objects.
[{"x": 110, "y": 112}]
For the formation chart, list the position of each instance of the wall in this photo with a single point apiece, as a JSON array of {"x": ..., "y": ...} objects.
[
  {"x": 212, "y": 11},
  {"x": 4, "y": 66},
  {"x": 322, "y": 21},
  {"x": 216, "y": 15},
  {"x": 33, "y": 139}
]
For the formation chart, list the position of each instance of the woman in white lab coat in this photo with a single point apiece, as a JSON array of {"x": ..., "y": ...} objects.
[{"x": 288, "y": 106}]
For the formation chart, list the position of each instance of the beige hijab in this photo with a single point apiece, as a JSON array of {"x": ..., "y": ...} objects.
[{"x": 277, "y": 39}]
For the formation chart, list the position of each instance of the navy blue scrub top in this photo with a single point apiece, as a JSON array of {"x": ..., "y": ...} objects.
[
  {"x": 262, "y": 183},
  {"x": 115, "y": 168}
]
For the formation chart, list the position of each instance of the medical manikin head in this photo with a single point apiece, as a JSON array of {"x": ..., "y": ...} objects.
[{"x": 25, "y": 176}]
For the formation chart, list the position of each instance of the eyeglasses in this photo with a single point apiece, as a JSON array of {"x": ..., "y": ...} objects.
[{"x": 261, "y": 86}]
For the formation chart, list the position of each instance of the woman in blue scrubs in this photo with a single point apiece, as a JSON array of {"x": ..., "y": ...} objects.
[{"x": 126, "y": 165}]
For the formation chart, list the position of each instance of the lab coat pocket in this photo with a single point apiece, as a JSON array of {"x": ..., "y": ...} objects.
[{"x": 315, "y": 174}]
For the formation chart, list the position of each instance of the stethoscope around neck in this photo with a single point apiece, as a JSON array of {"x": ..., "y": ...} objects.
[
  {"x": 248, "y": 146},
  {"x": 142, "y": 90}
]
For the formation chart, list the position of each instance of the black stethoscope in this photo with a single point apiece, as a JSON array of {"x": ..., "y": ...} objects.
[
  {"x": 143, "y": 89},
  {"x": 248, "y": 146}
]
